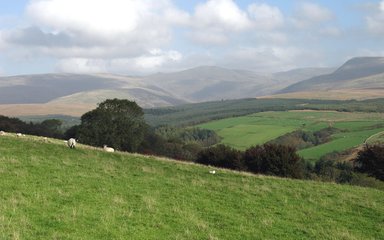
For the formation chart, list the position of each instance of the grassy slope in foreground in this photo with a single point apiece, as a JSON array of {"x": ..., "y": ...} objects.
[{"x": 51, "y": 192}]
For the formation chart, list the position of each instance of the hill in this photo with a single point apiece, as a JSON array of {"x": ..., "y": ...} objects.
[
  {"x": 364, "y": 73},
  {"x": 50, "y": 191},
  {"x": 300, "y": 74},
  {"x": 74, "y": 94},
  {"x": 208, "y": 83}
]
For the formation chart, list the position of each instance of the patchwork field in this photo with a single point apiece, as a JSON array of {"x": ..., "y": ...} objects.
[
  {"x": 49, "y": 191},
  {"x": 243, "y": 132}
]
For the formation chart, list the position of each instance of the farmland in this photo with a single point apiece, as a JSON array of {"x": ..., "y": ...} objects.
[
  {"x": 354, "y": 128},
  {"x": 51, "y": 192}
]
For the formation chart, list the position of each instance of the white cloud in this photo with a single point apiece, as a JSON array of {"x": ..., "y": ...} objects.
[
  {"x": 375, "y": 22},
  {"x": 308, "y": 14},
  {"x": 217, "y": 21},
  {"x": 265, "y": 17},
  {"x": 2, "y": 42},
  {"x": 154, "y": 60},
  {"x": 221, "y": 14},
  {"x": 331, "y": 31},
  {"x": 95, "y": 17},
  {"x": 82, "y": 65},
  {"x": 263, "y": 58},
  {"x": 84, "y": 32},
  {"x": 209, "y": 37}
]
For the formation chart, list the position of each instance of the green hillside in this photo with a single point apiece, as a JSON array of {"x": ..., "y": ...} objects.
[
  {"x": 259, "y": 128},
  {"x": 49, "y": 191}
]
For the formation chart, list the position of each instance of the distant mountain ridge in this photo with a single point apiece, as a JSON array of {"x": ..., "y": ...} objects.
[
  {"x": 57, "y": 92},
  {"x": 205, "y": 83},
  {"x": 357, "y": 73}
]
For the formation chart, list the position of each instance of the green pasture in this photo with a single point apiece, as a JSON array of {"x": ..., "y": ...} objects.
[
  {"x": 48, "y": 191},
  {"x": 243, "y": 132},
  {"x": 339, "y": 143}
]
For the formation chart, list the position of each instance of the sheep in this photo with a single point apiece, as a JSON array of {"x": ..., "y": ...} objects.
[
  {"x": 2, "y": 133},
  {"x": 212, "y": 171},
  {"x": 108, "y": 149},
  {"x": 20, "y": 134},
  {"x": 71, "y": 143}
]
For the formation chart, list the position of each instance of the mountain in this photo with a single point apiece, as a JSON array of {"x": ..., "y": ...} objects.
[
  {"x": 300, "y": 74},
  {"x": 208, "y": 83},
  {"x": 81, "y": 88},
  {"x": 198, "y": 84},
  {"x": 45, "y": 87},
  {"x": 357, "y": 73},
  {"x": 78, "y": 93}
]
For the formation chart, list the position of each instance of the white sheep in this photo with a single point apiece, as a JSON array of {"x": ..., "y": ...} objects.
[
  {"x": 71, "y": 143},
  {"x": 20, "y": 135},
  {"x": 2, "y": 133},
  {"x": 108, "y": 149},
  {"x": 212, "y": 171}
]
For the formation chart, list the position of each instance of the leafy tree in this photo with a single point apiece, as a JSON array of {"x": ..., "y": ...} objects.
[
  {"x": 370, "y": 160},
  {"x": 12, "y": 124},
  {"x": 51, "y": 128},
  {"x": 273, "y": 159},
  {"x": 115, "y": 122}
]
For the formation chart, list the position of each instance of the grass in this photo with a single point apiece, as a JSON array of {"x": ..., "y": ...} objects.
[
  {"x": 377, "y": 138},
  {"x": 339, "y": 143},
  {"x": 49, "y": 191},
  {"x": 243, "y": 132}
]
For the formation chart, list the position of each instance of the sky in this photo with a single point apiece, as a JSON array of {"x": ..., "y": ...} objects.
[{"x": 137, "y": 37}]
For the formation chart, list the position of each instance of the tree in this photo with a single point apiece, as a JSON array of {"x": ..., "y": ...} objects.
[
  {"x": 370, "y": 160},
  {"x": 51, "y": 128},
  {"x": 274, "y": 159},
  {"x": 116, "y": 123}
]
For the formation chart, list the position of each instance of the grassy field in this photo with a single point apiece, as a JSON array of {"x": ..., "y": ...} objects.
[
  {"x": 49, "y": 191},
  {"x": 243, "y": 132}
]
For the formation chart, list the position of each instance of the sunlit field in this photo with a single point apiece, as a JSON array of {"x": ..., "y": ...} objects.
[{"x": 259, "y": 128}]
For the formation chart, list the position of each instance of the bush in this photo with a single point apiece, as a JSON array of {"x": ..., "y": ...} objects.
[
  {"x": 221, "y": 156},
  {"x": 273, "y": 159},
  {"x": 370, "y": 160},
  {"x": 326, "y": 170}
]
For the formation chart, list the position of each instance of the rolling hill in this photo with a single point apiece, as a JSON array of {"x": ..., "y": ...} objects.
[
  {"x": 49, "y": 191},
  {"x": 75, "y": 94},
  {"x": 364, "y": 73},
  {"x": 208, "y": 83}
]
